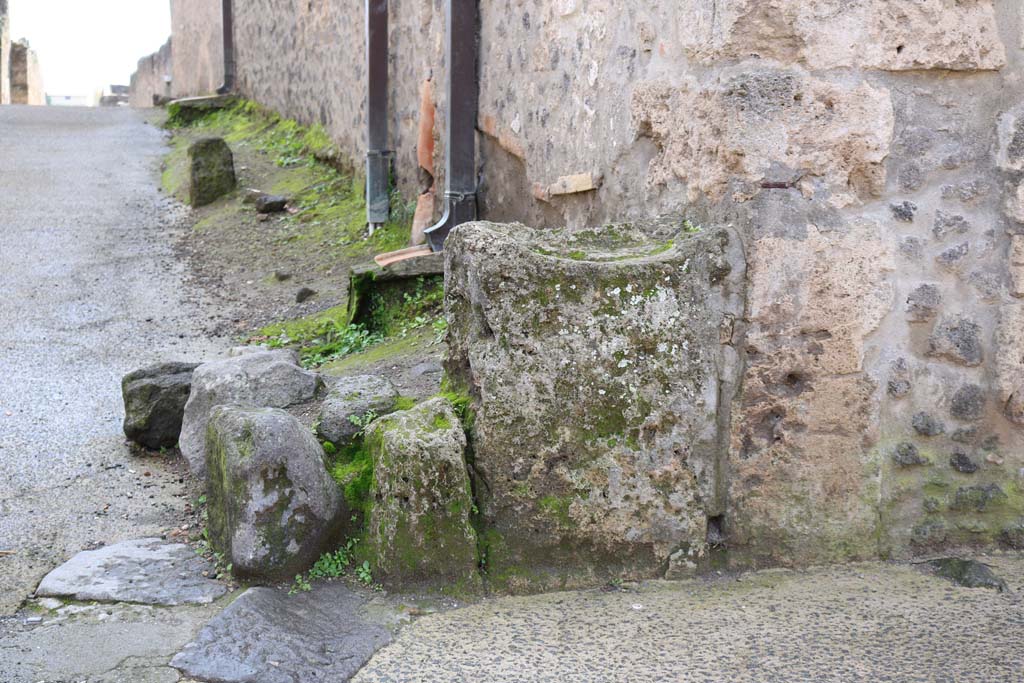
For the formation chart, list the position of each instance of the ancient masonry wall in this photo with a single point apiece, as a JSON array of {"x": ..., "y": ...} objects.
[
  {"x": 152, "y": 79},
  {"x": 5, "y": 54},
  {"x": 870, "y": 155},
  {"x": 26, "y": 76}
]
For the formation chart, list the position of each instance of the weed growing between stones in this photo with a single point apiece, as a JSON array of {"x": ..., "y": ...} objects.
[{"x": 329, "y": 566}]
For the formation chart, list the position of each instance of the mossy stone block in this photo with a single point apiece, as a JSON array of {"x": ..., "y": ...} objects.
[{"x": 211, "y": 171}]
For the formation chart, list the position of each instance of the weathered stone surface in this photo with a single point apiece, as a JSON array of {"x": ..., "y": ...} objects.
[
  {"x": 154, "y": 403},
  {"x": 961, "y": 462},
  {"x": 907, "y": 455},
  {"x": 148, "y": 571},
  {"x": 957, "y": 338},
  {"x": 256, "y": 378},
  {"x": 927, "y": 425},
  {"x": 270, "y": 203},
  {"x": 272, "y": 504},
  {"x": 904, "y": 211},
  {"x": 833, "y": 137},
  {"x": 947, "y": 224},
  {"x": 826, "y": 34},
  {"x": 967, "y": 573},
  {"x": 270, "y": 637},
  {"x": 211, "y": 171},
  {"x": 978, "y": 498},
  {"x": 899, "y": 384},
  {"x": 1009, "y": 361},
  {"x": 596, "y": 360},
  {"x": 924, "y": 303},
  {"x": 801, "y": 464},
  {"x": 350, "y": 402},
  {"x": 419, "y": 529},
  {"x": 968, "y": 402}
]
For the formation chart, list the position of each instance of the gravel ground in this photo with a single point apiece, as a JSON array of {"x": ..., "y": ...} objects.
[
  {"x": 870, "y": 623},
  {"x": 91, "y": 290}
]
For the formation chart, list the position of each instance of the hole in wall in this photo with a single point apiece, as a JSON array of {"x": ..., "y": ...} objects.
[{"x": 899, "y": 49}]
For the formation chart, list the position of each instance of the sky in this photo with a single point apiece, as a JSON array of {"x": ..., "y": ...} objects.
[{"x": 85, "y": 45}]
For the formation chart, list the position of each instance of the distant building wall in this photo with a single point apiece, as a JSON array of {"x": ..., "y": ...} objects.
[
  {"x": 152, "y": 79},
  {"x": 26, "y": 76},
  {"x": 5, "y": 54},
  {"x": 199, "y": 67}
]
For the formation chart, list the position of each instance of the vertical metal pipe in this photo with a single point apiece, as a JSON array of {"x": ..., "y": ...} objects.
[
  {"x": 463, "y": 96},
  {"x": 228, "y": 14},
  {"x": 378, "y": 157}
]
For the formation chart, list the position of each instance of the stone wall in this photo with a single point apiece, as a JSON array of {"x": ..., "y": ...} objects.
[
  {"x": 26, "y": 76},
  {"x": 870, "y": 156},
  {"x": 151, "y": 80},
  {"x": 5, "y": 54},
  {"x": 198, "y": 66}
]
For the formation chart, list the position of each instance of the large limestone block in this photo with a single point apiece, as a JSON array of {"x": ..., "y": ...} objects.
[
  {"x": 270, "y": 379},
  {"x": 154, "y": 403},
  {"x": 598, "y": 363},
  {"x": 802, "y": 477},
  {"x": 420, "y": 528},
  {"x": 956, "y": 35},
  {"x": 272, "y": 504},
  {"x": 211, "y": 171},
  {"x": 775, "y": 128}
]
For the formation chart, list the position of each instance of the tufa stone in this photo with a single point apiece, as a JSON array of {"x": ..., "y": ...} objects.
[
  {"x": 270, "y": 203},
  {"x": 154, "y": 403},
  {"x": 924, "y": 303},
  {"x": 419, "y": 528},
  {"x": 968, "y": 403},
  {"x": 927, "y": 425},
  {"x": 273, "y": 506},
  {"x": 957, "y": 338},
  {"x": 257, "y": 378},
  {"x": 211, "y": 171},
  {"x": 907, "y": 455},
  {"x": 962, "y": 463},
  {"x": 349, "y": 404}
]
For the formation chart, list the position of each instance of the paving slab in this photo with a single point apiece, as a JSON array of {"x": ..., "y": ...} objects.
[
  {"x": 148, "y": 571},
  {"x": 268, "y": 636}
]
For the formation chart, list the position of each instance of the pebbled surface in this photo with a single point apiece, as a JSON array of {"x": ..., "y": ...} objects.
[
  {"x": 267, "y": 636},
  {"x": 90, "y": 291},
  {"x": 147, "y": 571},
  {"x": 859, "y": 623}
]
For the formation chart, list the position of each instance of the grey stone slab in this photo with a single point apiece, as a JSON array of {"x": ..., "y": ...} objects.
[
  {"x": 267, "y": 636},
  {"x": 148, "y": 571}
]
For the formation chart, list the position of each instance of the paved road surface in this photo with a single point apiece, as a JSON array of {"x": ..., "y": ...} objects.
[{"x": 89, "y": 290}]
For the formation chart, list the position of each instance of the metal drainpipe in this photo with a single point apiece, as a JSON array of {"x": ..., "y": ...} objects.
[
  {"x": 378, "y": 158},
  {"x": 229, "y": 48},
  {"x": 463, "y": 95}
]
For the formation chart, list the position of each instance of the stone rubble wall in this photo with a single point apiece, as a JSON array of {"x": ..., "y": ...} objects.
[
  {"x": 5, "y": 54},
  {"x": 26, "y": 76},
  {"x": 149, "y": 82},
  {"x": 869, "y": 154}
]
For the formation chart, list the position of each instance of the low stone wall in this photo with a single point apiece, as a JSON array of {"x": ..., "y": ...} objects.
[
  {"x": 870, "y": 158},
  {"x": 26, "y": 76},
  {"x": 152, "y": 79}
]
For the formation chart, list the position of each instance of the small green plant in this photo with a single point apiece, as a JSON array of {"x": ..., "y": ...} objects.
[
  {"x": 329, "y": 566},
  {"x": 440, "y": 329},
  {"x": 363, "y": 421},
  {"x": 301, "y": 585},
  {"x": 337, "y": 342},
  {"x": 364, "y": 573}
]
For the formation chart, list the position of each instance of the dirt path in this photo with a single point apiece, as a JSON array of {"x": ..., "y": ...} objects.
[{"x": 90, "y": 290}]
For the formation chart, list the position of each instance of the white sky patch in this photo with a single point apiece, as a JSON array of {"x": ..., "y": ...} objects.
[{"x": 85, "y": 46}]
